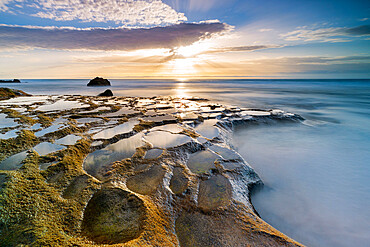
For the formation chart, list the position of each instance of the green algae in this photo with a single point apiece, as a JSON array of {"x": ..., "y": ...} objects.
[
  {"x": 143, "y": 125},
  {"x": 25, "y": 140},
  {"x": 7, "y": 93},
  {"x": 19, "y": 117}
]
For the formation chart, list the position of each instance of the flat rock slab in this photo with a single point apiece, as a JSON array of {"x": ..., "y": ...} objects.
[
  {"x": 153, "y": 153},
  {"x": 113, "y": 216},
  {"x": 202, "y": 161},
  {"x": 179, "y": 182},
  {"x": 147, "y": 182},
  {"x": 214, "y": 193}
]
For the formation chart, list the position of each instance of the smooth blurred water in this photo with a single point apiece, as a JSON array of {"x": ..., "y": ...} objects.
[{"x": 316, "y": 174}]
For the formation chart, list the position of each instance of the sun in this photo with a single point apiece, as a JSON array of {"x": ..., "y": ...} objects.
[{"x": 193, "y": 50}]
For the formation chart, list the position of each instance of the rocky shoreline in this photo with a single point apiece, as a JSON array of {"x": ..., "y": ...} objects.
[{"x": 128, "y": 171}]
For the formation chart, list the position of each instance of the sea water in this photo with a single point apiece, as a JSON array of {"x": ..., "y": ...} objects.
[{"x": 316, "y": 173}]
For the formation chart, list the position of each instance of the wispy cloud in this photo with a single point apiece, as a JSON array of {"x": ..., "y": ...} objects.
[
  {"x": 265, "y": 30},
  {"x": 108, "y": 38},
  {"x": 163, "y": 55},
  {"x": 332, "y": 34},
  {"x": 125, "y": 12}
]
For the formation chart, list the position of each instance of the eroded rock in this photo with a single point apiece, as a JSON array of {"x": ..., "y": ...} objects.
[
  {"x": 214, "y": 193},
  {"x": 179, "y": 182},
  {"x": 113, "y": 216},
  {"x": 148, "y": 181},
  {"x": 202, "y": 161}
]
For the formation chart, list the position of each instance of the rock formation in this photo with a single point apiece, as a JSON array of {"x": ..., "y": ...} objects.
[
  {"x": 6, "y": 93},
  {"x": 10, "y": 81},
  {"x": 107, "y": 92},
  {"x": 98, "y": 81},
  {"x": 146, "y": 172}
]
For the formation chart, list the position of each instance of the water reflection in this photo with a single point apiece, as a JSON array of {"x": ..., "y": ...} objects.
[
  {"x": 161, "y": 139},
  {"x": 181, "y": 91},
  {"x": 125, "y": 148}
]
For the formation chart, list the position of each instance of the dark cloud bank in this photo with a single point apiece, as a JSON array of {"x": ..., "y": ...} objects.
[{"x": 107, "y": 39}]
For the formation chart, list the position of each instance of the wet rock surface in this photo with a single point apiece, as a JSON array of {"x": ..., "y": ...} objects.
[
  {"x": 130, "y": 171},
  {"x": 113, "y": 216}
]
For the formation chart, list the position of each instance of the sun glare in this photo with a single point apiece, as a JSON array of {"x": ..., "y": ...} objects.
[
  {"x": 193, "y": 50},
  {"x": 180, "y": 90}
]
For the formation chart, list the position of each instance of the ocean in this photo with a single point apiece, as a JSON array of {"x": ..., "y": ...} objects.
[{"x": 316, "y": 174}]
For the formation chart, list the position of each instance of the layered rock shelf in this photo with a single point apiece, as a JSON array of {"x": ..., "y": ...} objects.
[{"x": 127, "y": 171}]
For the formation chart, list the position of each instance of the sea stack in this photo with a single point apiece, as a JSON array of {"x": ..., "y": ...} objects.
[{"x": 98, "y": 81}]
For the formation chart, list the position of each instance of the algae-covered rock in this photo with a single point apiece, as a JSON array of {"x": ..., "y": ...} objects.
[
  {"x": 76, "y": 187},
  {"x": 146, "y": 182},
  {"x": 113, "y": 216},
  {"x": 152, "y": 184},
  {"x": 214, "y": 193},
  {"x": 7, "y": 93}
]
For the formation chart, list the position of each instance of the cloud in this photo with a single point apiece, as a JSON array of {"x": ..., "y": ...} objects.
[
  {"x": 242, "y": 48},
  {"x": 125, "y": 12},
  {"x": 265, "y": 30},
  {"x": 162, "y": 56},
  {"x": 123, "y": 39},
  {"x": 333, "y": 34},
  {"x": 294, "y": 67}
]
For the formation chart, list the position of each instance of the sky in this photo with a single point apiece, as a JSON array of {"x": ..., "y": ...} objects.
[{"x": 184, "y": 39}]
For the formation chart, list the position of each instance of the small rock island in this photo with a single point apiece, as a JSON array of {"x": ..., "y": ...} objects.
[
  {"x": 98, "y": 82},
  {"x": 10, "y": 81},
  {"x": 107, "y": 92}
]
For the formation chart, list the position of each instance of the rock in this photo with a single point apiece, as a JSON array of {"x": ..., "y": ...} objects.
[
  {"x": 10, "y": 81},
  {"x": 179, "y": 182},
  {"x": 98, "y": 81},
  {"x": 113, "y": 216},
  {"x": 107, "y": 92},
  {"x": 7, "y": 93},
  {"x": 214, "y": 193},
  {"x": 146, "y": 182}
]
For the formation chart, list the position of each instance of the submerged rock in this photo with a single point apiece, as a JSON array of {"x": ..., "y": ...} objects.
[
  {"x": 98, "y": 81},
  {"x": 107, "y": 92}
]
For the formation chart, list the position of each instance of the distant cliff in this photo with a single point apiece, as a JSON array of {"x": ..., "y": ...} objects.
[{"x": 10, "y": 81}]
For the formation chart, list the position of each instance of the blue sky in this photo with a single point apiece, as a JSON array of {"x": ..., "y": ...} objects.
[{"x": 184, "y": 38}]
